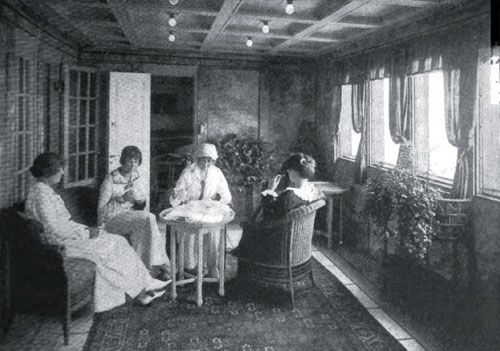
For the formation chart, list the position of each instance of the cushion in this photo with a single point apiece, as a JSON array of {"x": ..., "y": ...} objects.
[
  {"x": 21, "y": 231},
  {"x": 81, "y": 202}
]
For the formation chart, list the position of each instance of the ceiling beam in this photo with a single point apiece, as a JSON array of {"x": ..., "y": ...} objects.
[
  {"x": 363, "y": 25},
  {"x": 119, "y": 9},
  {"x": 275, "y": 17},
  {"x": 227, "y": 10},
  {"x": 335, "y": 16},
  {"x": 408, "y": 3},
  {"x": 274, "y": 35}
]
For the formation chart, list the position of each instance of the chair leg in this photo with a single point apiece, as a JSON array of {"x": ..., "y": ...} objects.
[
  {"x": 66, "y": 312},
  {"x": 291, "y": 285}
]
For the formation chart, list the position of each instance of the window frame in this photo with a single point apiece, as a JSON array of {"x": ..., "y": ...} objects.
[
  {"x": 341, "y": 144},
  {"x": 28, "y": 95},
  {"x": 67, "y": 125},
  {"x": 369, "y": 135}
]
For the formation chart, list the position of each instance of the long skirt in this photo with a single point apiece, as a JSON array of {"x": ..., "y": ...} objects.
[
  {"x": 142, "y": 230},
  {"x": 119, "y": 270}
]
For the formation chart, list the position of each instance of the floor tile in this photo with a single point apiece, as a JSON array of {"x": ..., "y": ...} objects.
[
  {"x": 339, "y": 274},
  {"x": 389, "y": 324},
  {"x": 411, "y": 345},
  {"x": 364, "y": 299},
  {"x": 322, "y": 258}
]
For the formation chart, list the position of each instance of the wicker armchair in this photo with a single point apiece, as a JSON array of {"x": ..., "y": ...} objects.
[
  {"x": 279, "y": 252},
  {"x": 42, "y": 277}
]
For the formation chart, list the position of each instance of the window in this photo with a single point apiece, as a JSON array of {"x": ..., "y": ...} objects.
[
  {"x": 435, "y": 155},
  {"x": 489, "y": 129},
  {"x": 23, "y": 135},
  {"x": 348, "y": 138},
  {"x": 82, "y": 127},
  {"x": 382, "y": 149}
]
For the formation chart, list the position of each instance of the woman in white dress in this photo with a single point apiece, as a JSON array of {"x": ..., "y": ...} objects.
[
  {"x": 119, "y": 272},
  {"x": 201, "y": 180},
  {"x": 121, "y": 192}
]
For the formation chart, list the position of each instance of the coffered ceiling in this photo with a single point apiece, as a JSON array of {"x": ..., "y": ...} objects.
[{"x": 225, "y": 26}]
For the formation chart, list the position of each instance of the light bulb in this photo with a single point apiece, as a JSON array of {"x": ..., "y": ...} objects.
[
  {"x": 171, "y": 21},
  {"x": 265, "y": 27},
  {"x": 173, "y": 2},
  {"x": 289, "y": 7},
  {"x": 249, "y": 41},
  {"x": 171, "y": 37}
]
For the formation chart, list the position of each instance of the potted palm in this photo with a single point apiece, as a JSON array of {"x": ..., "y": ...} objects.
[{"x": 246, "y": 162}]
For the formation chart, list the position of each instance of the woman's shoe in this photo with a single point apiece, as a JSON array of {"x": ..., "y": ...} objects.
[
  {"x": 145, "y": 298},
  {"x": 157, "y": 284}
]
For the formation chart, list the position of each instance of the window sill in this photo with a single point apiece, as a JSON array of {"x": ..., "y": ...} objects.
[
  {"x": 348, "y": 158},
  {"x": 489, "y": 194}
]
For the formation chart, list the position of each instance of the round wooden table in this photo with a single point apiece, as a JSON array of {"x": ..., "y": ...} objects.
[
  {"x": 180, "y": 228},
  {"x": 331, "y": 190}
]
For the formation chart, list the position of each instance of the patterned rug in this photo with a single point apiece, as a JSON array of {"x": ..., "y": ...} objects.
[{"x": 248, "y": 318}]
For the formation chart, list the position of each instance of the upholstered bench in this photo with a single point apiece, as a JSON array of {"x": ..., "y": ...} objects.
[{"x": 41, "y": 275}]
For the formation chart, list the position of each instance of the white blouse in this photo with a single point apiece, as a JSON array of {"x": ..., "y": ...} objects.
[
  {"x": 45, "y": 205},
  {"x": 189, "y": 185},
  {"x": 112, "y": 189}
]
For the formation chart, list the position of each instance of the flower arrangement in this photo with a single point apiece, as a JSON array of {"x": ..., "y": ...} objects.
[
  {"x": 402, "y": 206},
  {"x": 244, "y": 160}
]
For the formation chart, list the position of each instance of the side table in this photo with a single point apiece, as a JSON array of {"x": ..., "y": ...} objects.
[
  {"x": 332, "y": 190},
  {"x": 178, "y": 229}
]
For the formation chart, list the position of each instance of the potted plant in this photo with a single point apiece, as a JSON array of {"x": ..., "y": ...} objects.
[
  {"x": 401, "y": 206},
  {"x": 246, "y": 162}
]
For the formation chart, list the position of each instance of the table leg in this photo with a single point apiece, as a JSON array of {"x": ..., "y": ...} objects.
[
  {"x": 340, "y": 220},
  {"x": 199, "y": 280},
  {"x": 222, "y": 259},
  {"x": 173, "y": 261},
  {"x": 181, "y": 258},
  {"x": 329, "y": 219}
]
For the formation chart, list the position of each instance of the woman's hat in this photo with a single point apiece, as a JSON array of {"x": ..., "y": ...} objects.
[{"x": 206, "y": 150}]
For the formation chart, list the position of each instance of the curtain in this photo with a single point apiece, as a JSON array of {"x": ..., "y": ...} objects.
[
  {"x": 459, "y": 92},
  {"x": 360, "y": 109},
  {"x": 401, "y": 107}
]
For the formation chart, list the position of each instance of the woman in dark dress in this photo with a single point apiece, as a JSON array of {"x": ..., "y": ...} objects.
[{"x": 296, "y": 191}]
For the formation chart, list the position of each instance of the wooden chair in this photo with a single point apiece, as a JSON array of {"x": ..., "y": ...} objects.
[
  {"x": 279, "y": 252},
  {"x": 41, "y": 276},
  {"x": 452, "y": 220}
]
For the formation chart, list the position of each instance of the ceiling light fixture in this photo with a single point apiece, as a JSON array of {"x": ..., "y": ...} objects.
[
  {"x": 265, "y": 27},
  {"x": 249, "y": 41},
  {"x": 171, "y": 21},
  {"x": 289, "y": 7},
  {"x": 173, "y": 2},
  {"x": 171, "y": 37}
]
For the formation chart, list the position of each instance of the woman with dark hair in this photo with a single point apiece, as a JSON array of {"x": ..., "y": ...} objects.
[
  {"x": 120, "y": 271},
  {"x": 121, "y": 192},
  {"x": 288, "y": 190}
]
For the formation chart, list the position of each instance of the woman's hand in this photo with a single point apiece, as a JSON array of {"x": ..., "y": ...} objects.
[
  {"x": 275, "y": 182},
  {"x": 94, "y": 232},
  {"x": 129, "y": 196}
]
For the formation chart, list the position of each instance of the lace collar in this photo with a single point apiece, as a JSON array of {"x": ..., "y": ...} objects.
[{"x": 307, "y": 193}]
